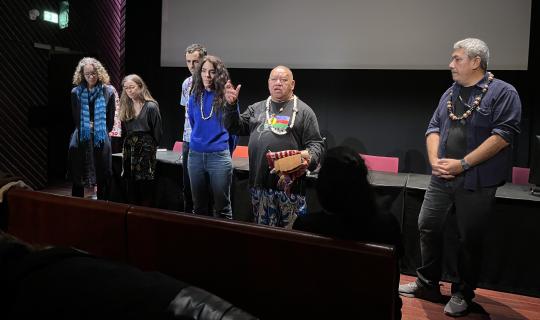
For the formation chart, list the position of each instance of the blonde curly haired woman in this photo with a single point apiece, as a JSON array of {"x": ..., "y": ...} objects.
[{"x": 93, "y": 107}]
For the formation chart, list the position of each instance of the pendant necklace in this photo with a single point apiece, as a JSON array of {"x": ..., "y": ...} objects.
[{"x": 270, "y": 120}]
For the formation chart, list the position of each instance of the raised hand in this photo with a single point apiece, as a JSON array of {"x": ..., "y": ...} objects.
[{"x": 231, "y": 93}]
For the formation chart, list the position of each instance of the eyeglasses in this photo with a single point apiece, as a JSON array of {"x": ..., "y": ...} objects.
[
  {"x": 130, "y": 88},
  {"x": 90, "y": 74}
]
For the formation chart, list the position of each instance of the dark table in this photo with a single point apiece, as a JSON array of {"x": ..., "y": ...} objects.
[{"x": 168, "y": 190}]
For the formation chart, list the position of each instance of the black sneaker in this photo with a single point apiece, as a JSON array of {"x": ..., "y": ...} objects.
[
  {"x": 457, "y": 306},
  {"x": 415, "y": 290}
]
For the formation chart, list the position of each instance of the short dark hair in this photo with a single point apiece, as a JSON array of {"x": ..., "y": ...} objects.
[
  {"x": 197, "y": 47},
  {"x": 342, "y": 185}
]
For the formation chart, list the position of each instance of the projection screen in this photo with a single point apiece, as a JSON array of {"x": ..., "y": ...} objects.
[{"x": 345, "y": 34}]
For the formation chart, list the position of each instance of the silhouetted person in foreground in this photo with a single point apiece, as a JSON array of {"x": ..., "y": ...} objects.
[
  {"x": 64, "y": 283},
  {"x": 349, "y": 210},
  {"x": 349, "y": 207}
]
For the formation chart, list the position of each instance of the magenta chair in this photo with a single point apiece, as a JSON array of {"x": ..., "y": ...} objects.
[
  {"x": 178, "y": 146},
  {"x": 379, "y": 163},
  {"x": 520, "y": 175}
]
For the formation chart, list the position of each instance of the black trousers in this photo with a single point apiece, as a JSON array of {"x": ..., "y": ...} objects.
[
  {"x": 188, "y": 200},
  {"x": 90, "y": 164},
  {"x": 141, "y": 192},
  {"x": 472, "y": 209}
]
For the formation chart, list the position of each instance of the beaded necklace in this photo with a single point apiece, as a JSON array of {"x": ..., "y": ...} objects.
[
  {"x": 269, "y": 120},
  {"x": 202, "y": 112},
  {"x": 475, "y": 105}
]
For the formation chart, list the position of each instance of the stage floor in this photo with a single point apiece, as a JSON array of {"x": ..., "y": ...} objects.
[{"x": 489, "y": 304}]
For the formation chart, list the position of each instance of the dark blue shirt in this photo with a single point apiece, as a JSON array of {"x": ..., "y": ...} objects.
[{"x": 499, "y": 113}]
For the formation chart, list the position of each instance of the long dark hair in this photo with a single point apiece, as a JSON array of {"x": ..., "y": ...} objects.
[{"x": 218, "y": 83}]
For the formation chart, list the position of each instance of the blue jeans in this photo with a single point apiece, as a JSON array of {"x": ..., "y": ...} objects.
[
  {"x": 211, "y": 173},
  {"x": 472, "y": 209}
]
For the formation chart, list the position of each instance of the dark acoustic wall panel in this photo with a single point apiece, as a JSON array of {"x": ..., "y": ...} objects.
[
  {"x": 110, "y": 29},
  {"x": 25, "y": 50}
]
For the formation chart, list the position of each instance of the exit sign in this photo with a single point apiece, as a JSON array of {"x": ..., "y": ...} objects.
[{"x": 50, "y": 16}]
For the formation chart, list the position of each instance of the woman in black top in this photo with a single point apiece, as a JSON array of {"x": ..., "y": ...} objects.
[{"x": 141, "y": 123}]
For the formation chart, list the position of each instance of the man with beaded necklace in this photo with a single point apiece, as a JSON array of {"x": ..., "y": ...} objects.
[
  {"x": 281, "y": 122},
  {"x": 468, "y": 142}
]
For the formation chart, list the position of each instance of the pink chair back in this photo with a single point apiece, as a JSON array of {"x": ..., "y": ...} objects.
[
  {"x": 177, "y": 146},
  {"x": 379, "y": 163},
  {"x": 240, "y": 152},
  {"x": 520, "y": 175}
]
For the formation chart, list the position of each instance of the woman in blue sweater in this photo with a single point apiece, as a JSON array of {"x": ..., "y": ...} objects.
[{"x": 211, "y": 146}]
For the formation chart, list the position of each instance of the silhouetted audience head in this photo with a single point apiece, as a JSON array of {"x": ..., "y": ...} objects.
[
  {"x": 343, "y": 186},
  {"x": 64, "y": 283},
  {"x": 11, "y": 247}
]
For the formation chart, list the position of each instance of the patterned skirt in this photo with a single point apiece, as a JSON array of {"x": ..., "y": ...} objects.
[
  {"x": 139, "y": 157},
  {"x": 275, "y": 207}
]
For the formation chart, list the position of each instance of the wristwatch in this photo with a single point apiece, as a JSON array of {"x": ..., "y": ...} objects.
[{"x": 464, "y": 164}]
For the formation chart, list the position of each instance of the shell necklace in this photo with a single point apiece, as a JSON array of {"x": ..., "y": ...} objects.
[
  {"x": 270, "y": 120},
  {"x": 202, "y": 112},
  {"x": 475, "y": 105}
]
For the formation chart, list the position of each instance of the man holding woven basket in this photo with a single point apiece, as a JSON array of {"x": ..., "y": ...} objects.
[{"x": 284, "y": 142}]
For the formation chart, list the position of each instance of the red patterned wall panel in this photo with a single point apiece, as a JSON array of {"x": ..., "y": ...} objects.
[{"x": 95, "y": 27}]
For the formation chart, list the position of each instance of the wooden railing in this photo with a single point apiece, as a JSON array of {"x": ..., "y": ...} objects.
[{"x": 269, "y": 272}]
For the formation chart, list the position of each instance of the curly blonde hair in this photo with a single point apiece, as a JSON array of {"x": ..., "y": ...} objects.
[
  {"x": 127, "y": 112},
  {"x": 78, "y": 75}
]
